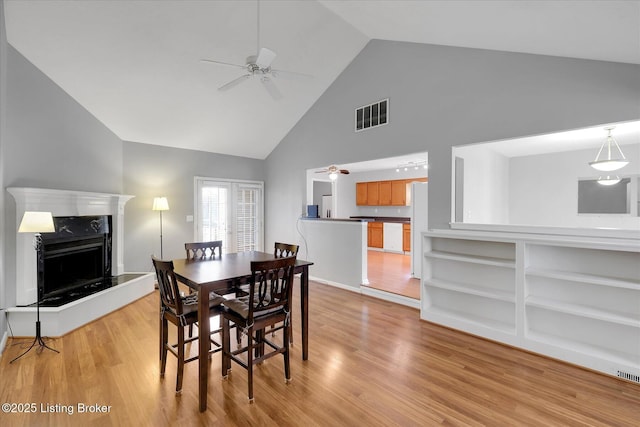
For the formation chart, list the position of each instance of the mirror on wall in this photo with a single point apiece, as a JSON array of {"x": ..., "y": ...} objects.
[{"x": 547, "y": 180}]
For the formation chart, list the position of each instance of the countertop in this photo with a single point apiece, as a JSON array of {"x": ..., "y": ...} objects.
[
  {"x": 396, "y": 219},
  {"x": 400, "y": 219}
]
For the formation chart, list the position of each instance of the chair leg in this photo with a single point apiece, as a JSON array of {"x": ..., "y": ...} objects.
[
  {"x": 250, "y": 363},
  {"x": 285, "y": 343},
  {"x": 226, "y": 344},
  {"x": 180, "y": 360},
  {"x": 164, "y": 339}
]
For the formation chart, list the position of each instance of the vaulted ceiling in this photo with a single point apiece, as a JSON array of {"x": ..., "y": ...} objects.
[{"x": 136, "y": 65}]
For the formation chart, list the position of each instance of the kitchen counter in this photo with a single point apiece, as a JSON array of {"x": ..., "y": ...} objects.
[{"x": 399, "y": 219}]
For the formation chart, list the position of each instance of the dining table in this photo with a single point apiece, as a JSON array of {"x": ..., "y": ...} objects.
[{"x": 215, "y": 275}]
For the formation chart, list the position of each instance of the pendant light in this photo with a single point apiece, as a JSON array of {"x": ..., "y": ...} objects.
[
  {"x": 609, "y": 164},
  {"x": 609, "y": 180}
]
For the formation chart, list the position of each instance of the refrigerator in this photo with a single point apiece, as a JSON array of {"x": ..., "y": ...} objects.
[{"x": 419, "y": 223}]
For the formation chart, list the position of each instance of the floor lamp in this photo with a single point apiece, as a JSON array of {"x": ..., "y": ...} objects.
[
  {"x": 160, "y": 204},
  {"x": 37, "y": 222}
]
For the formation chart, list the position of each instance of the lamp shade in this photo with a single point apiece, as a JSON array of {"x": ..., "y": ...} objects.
[
  {"x": 36, "y": 222},
  {"x": 160, "y": 204}
]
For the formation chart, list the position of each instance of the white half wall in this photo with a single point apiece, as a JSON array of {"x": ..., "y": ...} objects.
[{"x": 337, "y": 250}]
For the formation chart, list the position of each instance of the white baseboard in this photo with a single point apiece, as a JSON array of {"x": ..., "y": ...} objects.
[{"x": 3, "y": 342}]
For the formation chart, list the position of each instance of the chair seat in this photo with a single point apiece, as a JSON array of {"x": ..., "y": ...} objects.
[
  {"x": 190, "y": 306},
  {"x": 240, "y": 306}
]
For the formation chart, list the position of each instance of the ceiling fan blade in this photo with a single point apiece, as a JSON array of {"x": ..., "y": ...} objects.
[
  {"x": 234, "y": 82},
  {"x": 223, "y": 63},
  {"x": 344, "y": 171},
  {"x": 265, "y": 58},
  {"x": 271, "y": 88}
]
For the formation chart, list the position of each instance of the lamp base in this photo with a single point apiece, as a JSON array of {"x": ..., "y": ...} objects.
[{"x": 37, "y": 340}]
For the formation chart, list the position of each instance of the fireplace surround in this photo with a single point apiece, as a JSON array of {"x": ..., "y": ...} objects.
[{"x": 99, "y": 241}]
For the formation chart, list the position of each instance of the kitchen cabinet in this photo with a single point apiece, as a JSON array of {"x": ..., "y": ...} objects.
[
  {"x": 384, "y": 195},
  {"x": 406, "y": 237},
  {"x": 373, "y": 193},
  {"x": 375, "y": 235},
  {"x": 394, "y": 192},
  {"x": 398, "y": 192},
  {"x": 361, "y": 193}
]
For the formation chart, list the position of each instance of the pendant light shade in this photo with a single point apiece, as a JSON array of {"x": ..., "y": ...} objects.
[
  {"x": 609, "y": 163},
  {"x": 609, "y": 180}
]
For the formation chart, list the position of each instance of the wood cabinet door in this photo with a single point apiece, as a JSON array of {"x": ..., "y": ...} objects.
[
  {"x": 361, "y": 193},
  {"x": 384, "y": 193},
  {"x": 375, "y": 234},
  {"x": 373, "y": 192},
  {"x": 406, "y": 237},
  {"x": 398, "y": 192}
]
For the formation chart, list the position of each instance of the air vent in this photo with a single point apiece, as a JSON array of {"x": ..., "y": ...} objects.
[
  {"x": 372, "y": 115},
  {"x": 628, "y": 376}
]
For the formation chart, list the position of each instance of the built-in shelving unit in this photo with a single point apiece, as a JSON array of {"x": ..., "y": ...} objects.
[
  {"x": 463, "y": 278},
  {"x": 575, "y": 299}
]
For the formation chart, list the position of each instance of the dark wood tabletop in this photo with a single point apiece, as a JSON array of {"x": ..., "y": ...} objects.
[{"x": 214, "y": 275}]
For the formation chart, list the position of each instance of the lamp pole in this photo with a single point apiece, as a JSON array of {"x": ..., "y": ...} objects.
[{"x": 160, "y": 204}]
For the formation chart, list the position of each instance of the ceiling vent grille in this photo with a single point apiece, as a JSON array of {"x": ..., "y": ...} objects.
[{"x": 372, "y": 115}]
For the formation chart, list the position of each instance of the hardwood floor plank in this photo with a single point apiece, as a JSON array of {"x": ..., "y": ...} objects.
[{"x": 371, "y": 362}]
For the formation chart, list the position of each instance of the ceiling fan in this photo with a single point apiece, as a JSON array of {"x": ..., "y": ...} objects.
[
  {"x": 258, "y": 65},
  {"x": 333, "y": 172}
]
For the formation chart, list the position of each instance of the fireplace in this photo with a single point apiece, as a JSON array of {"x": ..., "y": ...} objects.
[
  {"x": 82, "y": 262},
  {"x": 76, "y": 259}
]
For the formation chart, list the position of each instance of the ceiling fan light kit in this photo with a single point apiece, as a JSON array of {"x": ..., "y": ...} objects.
[{"x": 333, "y": 172}]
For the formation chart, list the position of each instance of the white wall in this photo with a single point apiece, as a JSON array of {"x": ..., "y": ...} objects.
[
  {"x": 486, "y": 185},
  {"x": 544, "y": 189}
]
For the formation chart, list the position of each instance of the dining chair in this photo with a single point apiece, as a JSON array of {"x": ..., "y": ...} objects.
[
  {"x": 268, "y": 303},
  {"x": 182, "y": 311},
  {"x": 280, "y": 250},
  {"x": 203, "y": 250}
]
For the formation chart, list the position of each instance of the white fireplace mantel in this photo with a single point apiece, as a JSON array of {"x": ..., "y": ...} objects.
[{"x": 62, "y": 203}]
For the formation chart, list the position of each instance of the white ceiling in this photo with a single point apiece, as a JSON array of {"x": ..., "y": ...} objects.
[{"x": 136, "y": 66}]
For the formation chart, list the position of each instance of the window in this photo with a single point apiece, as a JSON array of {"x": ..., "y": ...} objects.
[{"x": 231, "y": 211}]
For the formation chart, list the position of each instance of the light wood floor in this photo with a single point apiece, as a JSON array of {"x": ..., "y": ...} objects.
[
  {"x": 391, "y": 272},
  {"x": 372, "y": 363}
]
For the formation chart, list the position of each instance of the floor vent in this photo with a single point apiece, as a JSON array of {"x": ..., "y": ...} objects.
[{"x": 628, "y": 376}]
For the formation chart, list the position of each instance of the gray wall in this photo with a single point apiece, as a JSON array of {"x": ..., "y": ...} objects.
[
  {"x": 3, "y": 109},
  {"x": 50, "y": 141},
  {"x": 439, "y": 97},
  {"x": 151, "y": 171}
]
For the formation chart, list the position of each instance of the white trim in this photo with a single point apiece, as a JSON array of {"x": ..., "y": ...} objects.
[{"x": 372, "y": 292}]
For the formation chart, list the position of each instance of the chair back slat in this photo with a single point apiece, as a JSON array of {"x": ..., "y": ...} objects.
[
  {"x": 168, "y": 285},
  {"x": 271, "y": 286},
  {"x": 203, "y": 250},
  {"x": 283, "y": 250}
]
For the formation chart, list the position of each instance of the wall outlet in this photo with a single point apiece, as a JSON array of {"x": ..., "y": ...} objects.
[{"x": 189, "y": 218}]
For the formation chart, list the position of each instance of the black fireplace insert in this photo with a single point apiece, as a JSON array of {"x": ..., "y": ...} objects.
[{"x": 76, "y": 257}]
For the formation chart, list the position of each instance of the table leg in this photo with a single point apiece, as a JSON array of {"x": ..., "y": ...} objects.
[
  {"x": 304, "y": 311},
  {"x": 203, "y": 344}
]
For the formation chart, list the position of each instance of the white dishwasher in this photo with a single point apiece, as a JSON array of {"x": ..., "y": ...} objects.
[{"x": 392, "y": 237}]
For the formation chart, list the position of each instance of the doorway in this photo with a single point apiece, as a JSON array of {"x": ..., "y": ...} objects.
[{"x": 391, "y": 272}]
